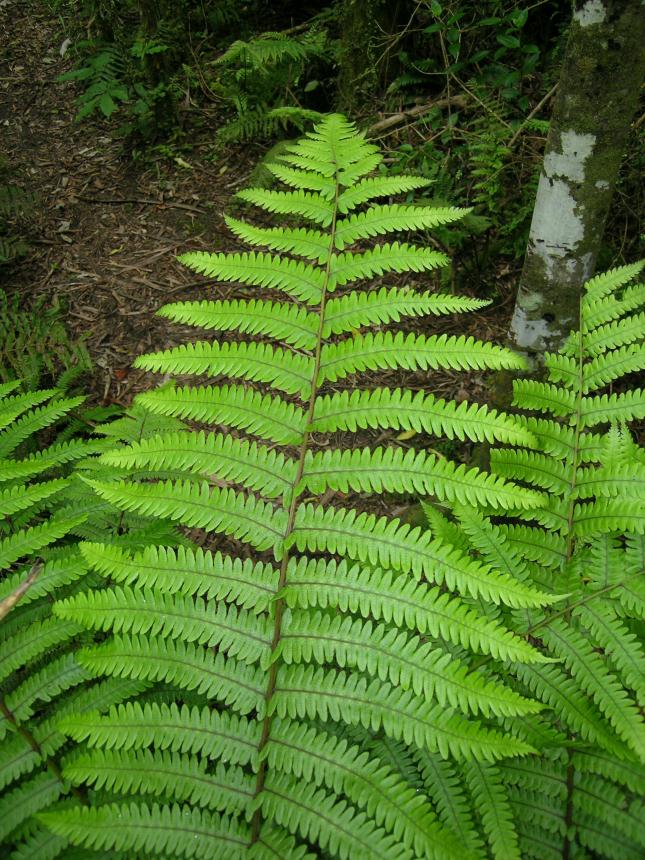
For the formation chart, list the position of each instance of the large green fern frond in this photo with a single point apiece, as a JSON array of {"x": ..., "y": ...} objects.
[
  {"x": 584, "y": 541},
  {"x": 347, "y": 624}
]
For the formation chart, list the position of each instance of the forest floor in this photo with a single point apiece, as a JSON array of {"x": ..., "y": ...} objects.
[{"x": 107, "y": 229}]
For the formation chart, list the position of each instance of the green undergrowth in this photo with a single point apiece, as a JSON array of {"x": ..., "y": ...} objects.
[{"x": 307, "y": 678}]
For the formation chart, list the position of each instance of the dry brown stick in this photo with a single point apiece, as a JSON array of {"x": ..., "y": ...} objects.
[
  {"x": 413, "y": 113},
  {"x": 115, "y": 201},
  {"x": 538, "y": 107},
  {"x": 18, "y": 593}
]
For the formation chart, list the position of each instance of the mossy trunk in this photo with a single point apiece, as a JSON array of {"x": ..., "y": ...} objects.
[
  {"x": 364, "y": 26},
  {"x": 598, "y": 94},
  {"x": 157, "y": 67}
]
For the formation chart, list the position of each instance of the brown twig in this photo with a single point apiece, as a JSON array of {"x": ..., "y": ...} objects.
[
  {"x": 18, "y": 593},
  {"x": 414, "y": 113},
  {"x": 116, "y": 201},
  {"x": 538, "y": 107}
]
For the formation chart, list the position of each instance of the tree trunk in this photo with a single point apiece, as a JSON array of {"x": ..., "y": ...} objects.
[
  {"x": 364, "y": 25},
  {"x": 598, "y": 94}
]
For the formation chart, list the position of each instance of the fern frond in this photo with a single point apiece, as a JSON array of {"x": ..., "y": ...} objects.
[
  {"x": 237, "y": 460},
  {"x": 615, "y": 334},
  {"x": 613, "y": 408},
  {"x": 411, "y": 352},
  {"x": 314, "y": 815},
  {"x": 615, "y": 479},
  {"x": 287, "y": 371},
  {"x": 188, "y": 572},
  {"x": 162, "y": 774},
  {"x": 397, "y": 257},
  {"x": 49, "y": 458},
  {"x": 546, "y": 548},
  {"x": 18, "y": 404},
  {"x": 378, "y": 186},
  {"x": 261, "y": 414},
  {"x": 309, "y": 692},
  {"x": 378, "y": 220},
  {"x": 391, "y": 544},
  {"x": 605, "y": 283},
  {"x": 30, "y": 540},
  {"x": 543, "y": 397},
  {"x": 491, "y": 799},
  {"x": 32, "y": 422},
  {"x": 617, "y": 641},
  {"x": 305, "y": 180},
  {"x": 600, "y": 684},
  {"x": 201, "y": 506},
  {"x": 139, "y": 612},
  {"x": 329, "y": 685},
  {"x": 397, "y": 599},
  {"x": 404, "y": 410},
  {"x": 135, "y": 726},
  {"x": 398, "y": 471},
  {"x": 313, "y": 207},
  {"x": 29, "y": 644},
  {"x": 404, "y": 660},
  {"x": 43, "y": 686},
  {"x": 357, "y": 309},
  {"x": 28, "y": 799},
  {"x": 172, "y": 830},
  {"x": 295, "y": 278},
  {"x": 604, "y": 311},
  {"x": 609, "y": 515},
  {"x": 189, "y": 667},
  {"x": 288, "y": 323},
  {"x": 312, "y": 244},
  {"x": 308, "y": 754},
  {"x": 570, "y": 704},
  {"x": 606, "y": 368},
  {"x": 535, "y": 468},
  {"x": 443, "y": 785},
  {"x": 18, "y": 499}
]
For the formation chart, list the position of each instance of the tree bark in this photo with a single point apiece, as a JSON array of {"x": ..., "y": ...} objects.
[
  {"x": 364, "y": 25},
  {"x": 598, "y": 95}
]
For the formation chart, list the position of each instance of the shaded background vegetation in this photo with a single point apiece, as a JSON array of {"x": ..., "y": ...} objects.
[{"x": 459, "y": 91}]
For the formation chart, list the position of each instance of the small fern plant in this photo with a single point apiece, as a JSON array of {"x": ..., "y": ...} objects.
[
  {"x": 258, "y": 78},
  {"x": 14, "y": 203},
  {"x": 45, "y": 509},
  {"x": 586, "y": 543},
  {"x": 319, "y": 654},
  {"x": 103, "y": 78},
  {"x": 36, "y": 348}
]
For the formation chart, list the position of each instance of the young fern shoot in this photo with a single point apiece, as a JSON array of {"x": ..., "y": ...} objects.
[{"x": 346, "y": 629}]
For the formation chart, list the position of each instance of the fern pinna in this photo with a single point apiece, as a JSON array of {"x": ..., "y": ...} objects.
[
  {"x": 583, "y": 795},
  {"x": 45, "y": 509},
  {"x": 319, "y": 678}
]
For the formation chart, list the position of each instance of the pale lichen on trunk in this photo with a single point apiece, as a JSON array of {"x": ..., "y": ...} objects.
[{"x": 598, "y": 94}]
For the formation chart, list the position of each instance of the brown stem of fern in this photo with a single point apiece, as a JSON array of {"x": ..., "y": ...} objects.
[{"x": 256, "y": 822}]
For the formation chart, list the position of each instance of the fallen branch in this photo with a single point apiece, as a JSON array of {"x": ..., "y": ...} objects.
[
  {"x": 114, "y": 201},
  {"x": 414, "y": 113},
  {"x": 9, "y": 602},
  {"x": 538, "y": 107}
]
